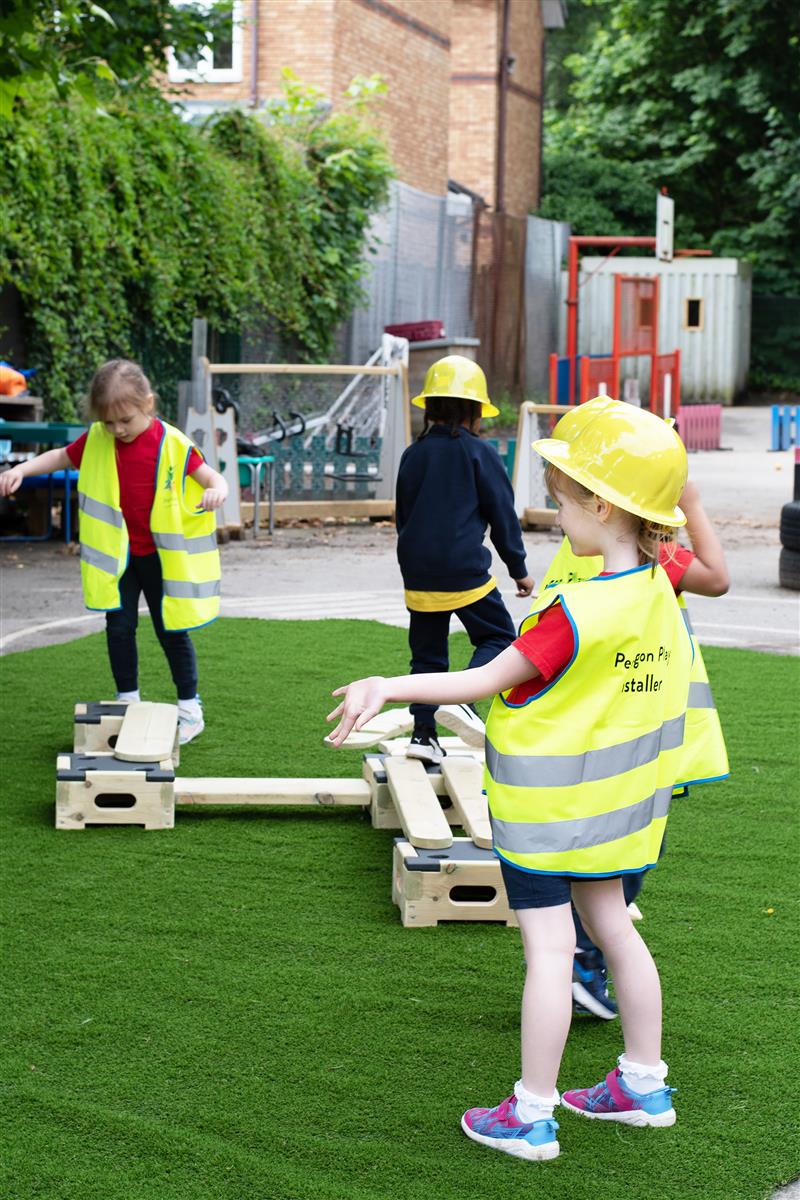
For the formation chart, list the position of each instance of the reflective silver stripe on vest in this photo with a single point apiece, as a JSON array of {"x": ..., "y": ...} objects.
[
  {"x": 101, "y": 512},
  {"x": 192, "y": 545},
  {"x": 96, "y": 558},
  {"x": 687, "y": 620},
  {"x": 700, "y": 696},
  {"x": 567, "y": 770},
  {"x": 528, "y": 837},
  {"x": 181, "y": 589}
]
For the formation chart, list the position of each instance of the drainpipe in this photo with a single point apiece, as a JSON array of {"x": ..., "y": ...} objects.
[
  {"x": 254, "y": 56},
  {"x": 499, "y": 192}
]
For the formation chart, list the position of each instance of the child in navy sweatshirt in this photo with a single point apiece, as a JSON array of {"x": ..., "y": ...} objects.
[{"x": 450, "y": 487}]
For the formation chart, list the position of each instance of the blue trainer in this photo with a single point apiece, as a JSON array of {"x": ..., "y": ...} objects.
[
  {"x": 590, "y": 986},
  {"x": 501, "y": 1129}
]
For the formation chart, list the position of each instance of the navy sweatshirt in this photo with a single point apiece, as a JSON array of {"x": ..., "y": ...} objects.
[{"x": 448, "y": 490}]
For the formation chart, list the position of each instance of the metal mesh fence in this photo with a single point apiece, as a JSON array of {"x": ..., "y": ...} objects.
[{"x": 418, "y": 267}]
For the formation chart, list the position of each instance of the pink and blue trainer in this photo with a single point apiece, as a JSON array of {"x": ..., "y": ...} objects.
[
  {"x": 501, "y": 1129},
  {"x": 612, "y": 1100}
]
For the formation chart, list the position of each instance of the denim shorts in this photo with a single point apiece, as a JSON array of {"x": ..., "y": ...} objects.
[{"x": 529, "y": 889}]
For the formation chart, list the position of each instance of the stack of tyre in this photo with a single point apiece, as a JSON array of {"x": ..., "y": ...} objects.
[{"x": 789, "y": 562}]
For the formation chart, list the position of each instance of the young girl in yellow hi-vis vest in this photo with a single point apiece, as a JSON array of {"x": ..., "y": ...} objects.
[
  {"x": 701, "y": 570},
  {"x": 146, "y": 500},
  {"x": 579, "y": 774}
]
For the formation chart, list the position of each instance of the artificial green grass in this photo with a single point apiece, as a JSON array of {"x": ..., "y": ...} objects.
[{"x": 232, "y": 1009}]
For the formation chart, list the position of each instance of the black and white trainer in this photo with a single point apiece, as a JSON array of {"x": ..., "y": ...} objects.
[{"x": 425, "y": 746}]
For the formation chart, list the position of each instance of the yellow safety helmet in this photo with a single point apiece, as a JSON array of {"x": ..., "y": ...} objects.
[
  {"x": 459, "y": 378},
  {"x": 625, "y": 454}
]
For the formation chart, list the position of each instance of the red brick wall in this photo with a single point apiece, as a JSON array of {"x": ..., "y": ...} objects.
[
  {"x": 408, "y": 43},
  {"x": 473, "y": 94},
  {"x": 440, "y": 60},
  {"x": 474, "y": 99},
  {"x": 523, "y": 112}
]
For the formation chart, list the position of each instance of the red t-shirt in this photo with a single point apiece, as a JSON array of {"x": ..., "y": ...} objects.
[
  {"x": 136, "y": 466},
  {"x": 550, "y": 644}
]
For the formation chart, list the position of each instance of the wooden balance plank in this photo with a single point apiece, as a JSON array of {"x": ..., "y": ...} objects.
[
  {"x": 418, "y": 807},
  {"x": 147, "y": 733},
  {"x": 464, "y": 780},
  {"x": 272, "y": 791},
  {"x": 451, "y": 745},
  {"x": 389, "y": 724}
]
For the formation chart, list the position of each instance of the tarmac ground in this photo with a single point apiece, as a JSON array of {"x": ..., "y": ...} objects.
[{"x": 351, "y": 570}]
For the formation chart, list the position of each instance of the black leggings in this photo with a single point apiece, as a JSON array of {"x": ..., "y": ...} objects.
[
  {"x": 143, "y": 574},
  {"x": 489, "y": 628}
]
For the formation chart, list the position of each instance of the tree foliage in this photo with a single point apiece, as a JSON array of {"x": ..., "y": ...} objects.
[
  {"x": 702, "y": 98},
  {"x": 118, "y": 226},
  {"x": 70, "y": 45}
]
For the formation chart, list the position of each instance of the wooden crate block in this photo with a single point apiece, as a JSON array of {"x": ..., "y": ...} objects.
[
  {"x": 232, "y": 791},
  {"x": 148, "y": 733},
  {"x": 417, "y": 804},
  {"x": 461, "y": 883},
  {"x": 464, "y": 780},
  {"x": 97, "y": 726},
  {"x": 100, "y": 790},
  {"x": 382, "y": 811}
]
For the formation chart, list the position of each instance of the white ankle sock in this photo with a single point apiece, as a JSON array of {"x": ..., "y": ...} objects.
[
  {"x": 129, "y": 697},
  {"x": 641, "y": 1078},
  {"x": 531, "y": 1107},
  {"x": 190, "y": 708}
]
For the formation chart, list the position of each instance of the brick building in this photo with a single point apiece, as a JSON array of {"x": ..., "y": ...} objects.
[{"x": 464, "y": 79}]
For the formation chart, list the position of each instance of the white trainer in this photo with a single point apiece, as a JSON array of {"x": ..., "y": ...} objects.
[{"x": 464, "y": 721}]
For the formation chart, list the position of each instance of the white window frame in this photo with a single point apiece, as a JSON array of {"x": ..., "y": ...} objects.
[{"x": 205, "y": 71}]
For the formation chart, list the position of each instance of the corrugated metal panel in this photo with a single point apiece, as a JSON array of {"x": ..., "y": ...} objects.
[{"x": 714, "y": 359}]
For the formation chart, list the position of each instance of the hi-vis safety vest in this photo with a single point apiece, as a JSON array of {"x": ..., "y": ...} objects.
[
  {"x": 580, "y": 776},
  {"x": 185, "y": 538},
  {"x": 705, "y": 759}
]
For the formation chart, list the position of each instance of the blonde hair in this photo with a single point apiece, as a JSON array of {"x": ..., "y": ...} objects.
[
  {"x": 115, "y": 384},
  {"x": 650, "y": 535}
]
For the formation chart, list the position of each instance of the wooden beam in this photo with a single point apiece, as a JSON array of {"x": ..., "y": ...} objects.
[
  {"x": 298, "y": 369},
  {"x": 539, "y": 516},
  {"x": 418, "y": 808},
  {"x": 311, "y": 510},
  {"x": 464, "y": 780},
  {"x": 326, "y": 792},
  {"x": 391, "y": 723},
  {"x": 148, "y": 733}
]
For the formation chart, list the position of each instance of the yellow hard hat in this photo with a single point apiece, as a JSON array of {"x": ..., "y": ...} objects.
[
  {"x": 625, "y": 454},
  {"x": 457, "y": 377}
]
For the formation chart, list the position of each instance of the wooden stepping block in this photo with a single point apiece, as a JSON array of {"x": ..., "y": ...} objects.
[
  {"x": 97, "y": 727},
  {"x": 388, "y": 724},
  {"x": 98, "y": 789},
  {"x": 417, "y": 804},
  {"x": 461, "y": 883},
  {"x": 464, "y": 780},
  {"x": 148, "y": 734}
]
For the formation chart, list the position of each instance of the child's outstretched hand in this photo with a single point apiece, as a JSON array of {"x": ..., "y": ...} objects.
[
  {"x": 524, "y": 586},
  {"x": 10, "y": 481},
  {"x": 362, "y": 700},
  {"x": 213, "y": 498}
]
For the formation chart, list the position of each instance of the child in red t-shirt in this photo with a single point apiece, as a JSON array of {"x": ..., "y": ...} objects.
[
  {"x": 550, "y": 645},
  {"x": 121, "y": 397}
]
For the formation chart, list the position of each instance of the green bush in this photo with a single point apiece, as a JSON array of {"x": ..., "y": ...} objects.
[{"x": 118, "y": 226}]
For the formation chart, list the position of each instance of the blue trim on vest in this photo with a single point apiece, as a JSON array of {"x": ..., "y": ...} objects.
[
  {"x": 707, "y": 779},
  {"x": 575, "y": 874},
  {"x": 561, "y": 674}
]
